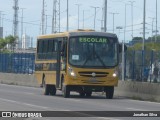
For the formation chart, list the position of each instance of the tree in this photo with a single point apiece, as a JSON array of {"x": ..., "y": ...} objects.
[
  {"x": 137, "y": 39},
  {"x": 3, "y": 43},
  {"x": 11, "y": 40}
]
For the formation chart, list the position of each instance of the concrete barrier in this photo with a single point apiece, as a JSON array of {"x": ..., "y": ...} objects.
[
  {"x": 139, "y": 90},
  {"x": 135, "y": 90},
  {"x": 18, "y": 79}
]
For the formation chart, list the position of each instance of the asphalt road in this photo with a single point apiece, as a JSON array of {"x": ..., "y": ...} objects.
[{"x": 20, "y": 98}]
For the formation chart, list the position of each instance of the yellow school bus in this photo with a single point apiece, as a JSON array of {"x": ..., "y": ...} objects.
[{"x": 84, "y": 61}]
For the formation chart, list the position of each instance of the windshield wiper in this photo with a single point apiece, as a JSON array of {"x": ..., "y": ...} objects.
[
  {"x": 87, "y": 60},
  {"x": 101, "y": 61}
]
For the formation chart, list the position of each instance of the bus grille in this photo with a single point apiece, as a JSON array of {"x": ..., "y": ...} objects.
[
  {"x": 93, "y": 82},
  {"x": 97, "y": 74}
]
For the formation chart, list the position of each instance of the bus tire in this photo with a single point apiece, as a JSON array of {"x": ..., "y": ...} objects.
[
  {"x": 43, "y": 81},
  {"x": 47, "y": 90},
  {"x": 66, "y": 93},
  {"x": 82, "y": 93},
  {"x": 52, "y": 90},
  {"x": 109, "y": 92},
  {"x": 89, "y": 94}
]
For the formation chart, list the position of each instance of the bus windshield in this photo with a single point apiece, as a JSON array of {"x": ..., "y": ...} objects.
[{"x": 93, "y": 51}]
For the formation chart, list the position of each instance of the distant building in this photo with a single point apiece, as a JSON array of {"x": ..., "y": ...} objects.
[
  {"x": 1, "y": 32},
  {"x": 25, "y": 43}
]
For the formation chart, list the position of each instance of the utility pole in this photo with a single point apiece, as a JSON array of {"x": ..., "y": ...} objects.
[
  {"x": 105, "y": 16},
  {"x": 152, "y": 28},
  {"x": 144, "y": 22},
  {"x": 95, "y": 8},
  {"x": 125, "y": 21},
  {"x": 20, "y": 46},
  {"x": 15, "y": 21},
  {"x": 156, "y": 23},
  {"x": 83, "y": 19},
  {"x": 67, "y": 17},
  {"x": 53, "y": 17},
  {"x": 43, "y": 16},
  {"x": 59, "y": 16},
  {"x": 132, "y": 16},
  {"x": 78, "y": 13},
  {"x": 123, "y": 42},
  {"x": 46, "y": 24},
  {"x": 113, "y": 19}
]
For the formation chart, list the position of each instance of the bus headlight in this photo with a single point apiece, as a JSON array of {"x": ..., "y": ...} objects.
[
  {"x": 114, "y": 75},
  {"x": 71, "y": 72}
]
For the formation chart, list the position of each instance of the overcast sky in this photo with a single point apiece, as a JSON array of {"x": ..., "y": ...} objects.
[{"x": 33, "y": 10}]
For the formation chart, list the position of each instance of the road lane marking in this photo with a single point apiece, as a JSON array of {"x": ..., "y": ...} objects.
[
  {"x": 136, "y": 109},
  {"x": 22, "y": 103},
  {"x": 20, "y": 86},
  {"x": 28, "y": 93},
  {"x": 103, "y": 118},
  {"x": 144, "y": 101}
]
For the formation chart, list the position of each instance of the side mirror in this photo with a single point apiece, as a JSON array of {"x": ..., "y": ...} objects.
[{"x": 120, "y": 48}]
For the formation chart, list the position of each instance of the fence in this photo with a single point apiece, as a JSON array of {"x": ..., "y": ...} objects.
[
  {"x": 136, "y": 68},
  {"x": 17, "y": 63},
  {"x": 142, "y": 66}
]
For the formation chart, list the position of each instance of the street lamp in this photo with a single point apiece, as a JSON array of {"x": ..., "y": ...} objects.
[
  {"x": 95, "y": 8},
  {"x": 152, "y": 28},
  {"x": 119, "y": 28},
  {"x": 78, "y": 13},
  {"x": 83, "y": 17},
  {"x": 113, "y": 19},
  {"x": 132, "y": 15},
  {"x": 156, "y": 22}
]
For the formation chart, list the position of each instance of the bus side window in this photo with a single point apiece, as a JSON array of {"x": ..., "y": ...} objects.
[
  {"x": 40, "y": 49},
  {"x": 51, "y": 49},
  {"x": 45, "y": 49}
]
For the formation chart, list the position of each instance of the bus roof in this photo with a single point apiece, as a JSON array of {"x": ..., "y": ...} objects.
[{"x": 79, "y": 32}]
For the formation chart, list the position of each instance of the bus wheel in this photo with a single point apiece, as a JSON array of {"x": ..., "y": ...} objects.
[
  {"x": 82, "y": 93},
  {"x": 109, "y": 92},
  {"x": 47, "y": 89},
  {"x": 88, "y": 94},
  {"x": 52, "y": 90},
  {"x": 66, "y": 93}
]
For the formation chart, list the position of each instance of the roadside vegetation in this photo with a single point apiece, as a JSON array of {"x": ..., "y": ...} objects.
[
  {"x": 150, "y": 44},
  {"x": 7, "y": 44}
]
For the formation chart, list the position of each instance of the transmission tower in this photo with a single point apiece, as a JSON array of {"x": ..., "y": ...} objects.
[
  {"x": 56, "y": 16},
  {"x": 15, "y": 19}
]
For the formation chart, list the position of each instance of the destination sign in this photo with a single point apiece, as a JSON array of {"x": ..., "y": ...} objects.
[{"x": 93, "y": 39}]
